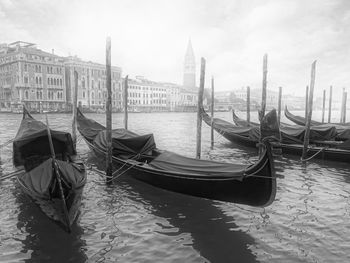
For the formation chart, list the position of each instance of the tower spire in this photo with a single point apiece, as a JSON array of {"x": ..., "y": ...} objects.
[{"x": 189, "y": 80}]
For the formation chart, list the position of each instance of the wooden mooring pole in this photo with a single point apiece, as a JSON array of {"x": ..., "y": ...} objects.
[
  {"x": 212, "y": 114},
  {"x": 248, "y": 105},
  {"x": 279, "y": 104},
  {"x": 342, "y": 107},
  {"x": 306, "y": 101},
  {"x": 74, "y": 110},
  {"x": 309, "y": 116},
  {"x": 126, "y": 88},
  {"x": 345, "y": 99},
  {"x": 263, "y": 100},
  {"x": 330, "y": 104},
  {"x": 199, "y": 109},
  {"x": 109, "y": 109},
  {"x": 323, "y": 105}
]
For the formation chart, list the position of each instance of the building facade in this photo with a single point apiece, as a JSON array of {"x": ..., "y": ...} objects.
[
  {"x": 31, "y": 76},
  {"x": 147, "y": 96},
  {"x": 45, "y": 82},
  {"x": 92, "y": 91}
]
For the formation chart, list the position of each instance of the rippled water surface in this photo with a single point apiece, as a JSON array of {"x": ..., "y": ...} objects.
[{"x": 130, "y": 221}]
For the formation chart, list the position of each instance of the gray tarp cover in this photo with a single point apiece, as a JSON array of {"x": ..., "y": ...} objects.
[
  {"x": 39, "y": 179},
  {"x": 126, "y": 144},
  {"x": 29, "y": 131},
  {"x": 170, "y": 161},
  {"x": 295, "y": 133}
]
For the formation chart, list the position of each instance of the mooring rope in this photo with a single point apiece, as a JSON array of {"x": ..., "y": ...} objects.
[
  {"x": 308, "y": 159},
  {"x": 7, "y": 176},
  {"x": 7, "y": 143}
]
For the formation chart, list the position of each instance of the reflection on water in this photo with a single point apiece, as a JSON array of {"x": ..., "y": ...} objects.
[
  {"x": 45, "y": 241},
  {"x": 212, "y": 233},
  {"x": 130, "y": 221}
]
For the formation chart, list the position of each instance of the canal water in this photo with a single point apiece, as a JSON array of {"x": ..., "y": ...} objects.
[{"x": 130, "y": 221}]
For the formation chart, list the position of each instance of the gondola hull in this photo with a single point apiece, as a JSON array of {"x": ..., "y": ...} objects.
[
  {"x": 319, "y": 152},
  {"x": 53, "y": 208},
  {"x": 256, "y": 186},
  {"x": 51, "y": 178},
  {"x": 255, "y": 190}
]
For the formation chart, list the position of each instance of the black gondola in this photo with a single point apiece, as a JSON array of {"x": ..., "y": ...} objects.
[
  {"x": 55, "y": 182},
  {"x": 253, "y": 185},
  {"x": 248, "y": 136},
  {"x": 342, "y": 129}
]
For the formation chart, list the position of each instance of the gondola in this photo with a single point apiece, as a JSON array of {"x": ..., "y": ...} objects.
[
  {"x": 342, "y": 129},
  {"x": 248, "y": 136},
  {"x": 53, "y": 180},
  {"x": 290, "y": 133},
  {"x": 137, "y": 156}
]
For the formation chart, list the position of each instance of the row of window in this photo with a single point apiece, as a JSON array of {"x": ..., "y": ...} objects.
[
  {"x": 51, "y": 95},
  {"x": 145, "y": 102},
  {"x": 152, "y": 95},
  {"x": 49, "y": 69},
  {"x": 147, "y": 88},
  {"x": 99, "y": 72}
]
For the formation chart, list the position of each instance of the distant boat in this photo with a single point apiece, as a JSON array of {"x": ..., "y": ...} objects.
[{"x": 249, "y": 136}]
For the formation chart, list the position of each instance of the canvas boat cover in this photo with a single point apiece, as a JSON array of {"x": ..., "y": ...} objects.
[
  {"x": 342, "y": 130},
  {"x": 88, "y": 127},
  {"x": 295, "y": 133},
  {"x": 126, "y": 144},
  {"x": 170, "y": 161},
  {"x": 32, "y": 138},
  {"x": 40, "y": 179},
  {"x": 252, "y": 133}
]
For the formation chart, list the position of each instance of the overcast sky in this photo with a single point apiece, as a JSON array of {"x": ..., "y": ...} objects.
[{"x": 149, "y": 38}]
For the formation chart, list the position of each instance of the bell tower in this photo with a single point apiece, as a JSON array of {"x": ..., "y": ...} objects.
[{"x": 189, "y": 80}]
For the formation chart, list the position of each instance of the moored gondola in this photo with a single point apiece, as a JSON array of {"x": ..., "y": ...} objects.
[
  {"x": 137, "y": 156},
  {"x": 342, "y": 129},
  {"x": 53, "y": 180},
  {"x": 249, "y": 136}
]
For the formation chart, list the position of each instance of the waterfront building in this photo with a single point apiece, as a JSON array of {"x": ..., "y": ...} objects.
[
  {"x": 189, "y": 77},
  {"x": 31, "y": 76},
  {"x": 92, "y": 91},
  {"x": 147, "y": 96}
]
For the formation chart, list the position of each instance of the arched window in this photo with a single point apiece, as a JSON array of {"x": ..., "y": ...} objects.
[
  {"x": 36, "y": 80},
  {"x": 60, "y": 82},
  {"x": 83, "y": 82},
  {"x": 26, "y": 94},
  {"x": 40, "y": 80}
]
